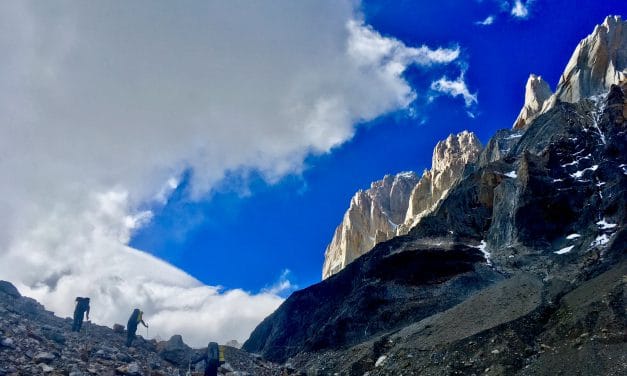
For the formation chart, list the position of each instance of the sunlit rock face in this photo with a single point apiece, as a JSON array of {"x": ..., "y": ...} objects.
[
  {"x": 599, "y": 61},
  {"x": 450, "y": 157},
  {"x": 372, "y": 217},
  {"x": 537, "y": 92},
  {"x": 393, "y": 205}
]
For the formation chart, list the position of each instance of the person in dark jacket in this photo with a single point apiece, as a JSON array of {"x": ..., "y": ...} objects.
[
  {"x": 81, "y": 308},
  {"x": 212, "y": 359},
  {"x": 131, "y": 326}
]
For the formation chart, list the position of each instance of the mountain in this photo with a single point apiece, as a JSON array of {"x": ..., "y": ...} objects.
[
  {"x": 599, "y": 61},
  {"x": 519, "y": 270},
  {"x": 449, "y": 160},
  {"x": 391, "y": 206},
  {"x": 372, "y": 217}
]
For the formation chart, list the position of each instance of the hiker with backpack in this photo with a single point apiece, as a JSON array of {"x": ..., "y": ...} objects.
[
  {"x": 81, "y": 308},
  {"x": 213, "y": 358},
  {"x": 131, "y": 326}
]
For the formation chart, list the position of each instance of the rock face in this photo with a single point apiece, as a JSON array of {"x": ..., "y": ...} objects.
[
  {"x": 372, "y": 217},
  {"x": 449, "y": 160},
  {"x": 537, "y": 92},
  {"x": 598, "y": 62},
  {"x": 395, "y": 204},
  {"x": 519, "y": 270}
]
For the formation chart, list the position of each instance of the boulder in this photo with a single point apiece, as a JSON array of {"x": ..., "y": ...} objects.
[
  {"x": 9, "y": 289},
  {"x": 175, "y": 351}
]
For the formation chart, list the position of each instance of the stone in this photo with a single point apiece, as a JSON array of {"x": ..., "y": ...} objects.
[
  {"x": 118, "y": 328},
  {"x": 44, "y": 357},
  {"x": 176, "y": 351},
  {"x": 46, "y": 368},
  {"x": 7, "y": 342}
]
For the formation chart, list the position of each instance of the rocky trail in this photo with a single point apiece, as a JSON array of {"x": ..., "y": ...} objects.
[{"x": 33, "y": 341}]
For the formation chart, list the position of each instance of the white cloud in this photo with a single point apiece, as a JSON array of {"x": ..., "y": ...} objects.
[
  {"x": 520, "y": 10},
  {"x": 455, "y": 88},
  {"x": 104, "y": 106},
  {"x": 283, "y": 286},
  {"x": 487, "y": 21}
]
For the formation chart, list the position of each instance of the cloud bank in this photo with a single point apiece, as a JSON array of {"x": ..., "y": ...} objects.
[{"x": 105, "y": 105}]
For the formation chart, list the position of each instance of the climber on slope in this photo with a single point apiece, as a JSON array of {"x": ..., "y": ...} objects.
[
  {"x": 81, "y": 308},
  {"x": 131, "y": 326},
  {"x": 212, "y": 357}
]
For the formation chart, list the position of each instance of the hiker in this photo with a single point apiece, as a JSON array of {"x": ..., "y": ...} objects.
[
  {"x": 131, "y": 326},
  {"x": 81, "y": 308},
  {"x": 213, "y": 357}
]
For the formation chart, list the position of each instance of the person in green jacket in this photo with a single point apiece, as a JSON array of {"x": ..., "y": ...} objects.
[{"x": 131, "y": 326}]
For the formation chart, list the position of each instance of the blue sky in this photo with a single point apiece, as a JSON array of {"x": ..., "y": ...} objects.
[{"x": 247, "y": 232}]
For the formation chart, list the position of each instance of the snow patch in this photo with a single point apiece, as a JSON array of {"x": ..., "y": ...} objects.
[
  {"x": 565, "y": 250},
  {"x": 380, "y": 361},
  {"x": 573, "y": 236},
  {"x": 406, "y": 174},
  {"x": 604, "y": 225},
  {"x": 512, "y": 136},
  {"x": 486, "y": 254},
  {"x": 580, "y": 173},
  {"x": 600, "y": 240},
  {"x": 512, "y": 174},
  {"x": 596, "y": 116}
]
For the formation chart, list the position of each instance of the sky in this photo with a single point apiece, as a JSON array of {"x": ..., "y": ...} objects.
[{"x": 194, "y": 158}]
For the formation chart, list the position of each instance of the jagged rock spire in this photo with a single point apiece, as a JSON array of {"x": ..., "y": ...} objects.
[
  {"x": 537, "y": 92},
  {"x": 599, "y": 61}
]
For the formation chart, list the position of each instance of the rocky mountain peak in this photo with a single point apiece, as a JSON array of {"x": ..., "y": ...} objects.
[
  {"x": 450, "y": 157},
  {"x": 392, "y": 205},
  {"x": 599, "y": 61},
  {"x": 372, "y": 217},
  {"x": 456, "y": 149},
  {"x": 537, "y": 92}
]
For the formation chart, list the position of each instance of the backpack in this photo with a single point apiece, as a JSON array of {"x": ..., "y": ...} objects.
[
  {"x": 213, "y": 353},
  {"x": 82, "y": 304}
]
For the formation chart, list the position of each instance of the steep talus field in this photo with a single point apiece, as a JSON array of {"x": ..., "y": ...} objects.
[{"x": 33, "y": 341}]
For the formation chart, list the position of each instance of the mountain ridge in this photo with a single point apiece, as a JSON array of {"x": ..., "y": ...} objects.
[
  {"x": 370, "y": 219},
  {"x": 534, "y": 231}
]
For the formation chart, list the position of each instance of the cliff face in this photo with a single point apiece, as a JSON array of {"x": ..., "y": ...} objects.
[
  {"x": 372, "y": 217},
  {"x": 537, "y": 92},
  {"x": 391, "y": 206},
  {"x": 519, "y": 270},
  {"x": 598, "y": 62},
  {"x": 450, "y": 157}
]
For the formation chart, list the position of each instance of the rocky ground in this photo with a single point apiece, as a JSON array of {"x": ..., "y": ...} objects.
[{"x": 35, "y": 342}]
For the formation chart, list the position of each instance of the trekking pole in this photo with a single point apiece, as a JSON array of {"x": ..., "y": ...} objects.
[{"x": 189, "y": 365}]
